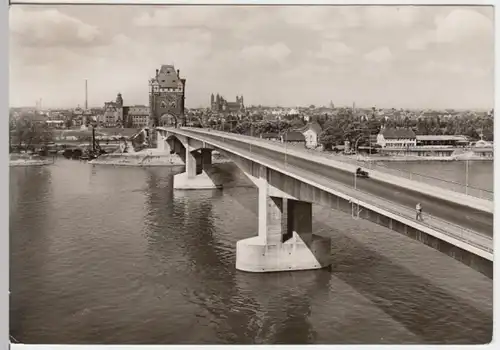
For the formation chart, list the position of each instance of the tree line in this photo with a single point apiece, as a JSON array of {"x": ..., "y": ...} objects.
[
  {"x": 25, "y": 134},
  {"x": 357, "y": 129}
]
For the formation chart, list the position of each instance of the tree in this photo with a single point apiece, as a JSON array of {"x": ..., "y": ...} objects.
[
  {"x": 243, "y": 128},
  {"x": 422, "y": 127},
  {"x": 30, "y": 134},
  {"x": 296, "y": 123}
]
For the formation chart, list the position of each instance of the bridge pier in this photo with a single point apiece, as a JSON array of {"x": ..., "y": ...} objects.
[
  {"x": 161, "y": 142},
  {"x": 285, "y": 240},
  {"x": 192, "y": 179}
]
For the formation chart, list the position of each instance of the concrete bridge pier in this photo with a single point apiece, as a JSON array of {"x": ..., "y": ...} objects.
[
  {"x": 285, "y": 240},
  {"x": 162, "y": 143},
  {"x": 196, "y": 178}
]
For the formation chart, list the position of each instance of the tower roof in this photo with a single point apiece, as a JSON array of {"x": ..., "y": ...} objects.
[{"x": 167, "y": 77}]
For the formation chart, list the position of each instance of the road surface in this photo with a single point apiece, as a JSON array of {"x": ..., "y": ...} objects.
[{"x": 463, "y": 216}]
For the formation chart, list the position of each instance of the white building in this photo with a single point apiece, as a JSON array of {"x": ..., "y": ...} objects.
[
  {"x": 311, "y": 134},
  {"x": 396, "y": 138}
]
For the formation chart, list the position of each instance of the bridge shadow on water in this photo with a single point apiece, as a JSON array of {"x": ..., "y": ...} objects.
[
  {"x": 228, "y": 305},
  {"x": 190, "y": 241},
  {"x": 428, "y": 311}
]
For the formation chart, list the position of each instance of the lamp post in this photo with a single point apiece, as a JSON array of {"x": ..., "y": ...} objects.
[
  {"x": 466, "y": 176},
  {"x": 284, "y": 138},
  {"x": 286, "y": 158},
  {"x": 356, "y": 150},
  {"x": 356, "y": 144},
  {"x": 251, "y": 136}
]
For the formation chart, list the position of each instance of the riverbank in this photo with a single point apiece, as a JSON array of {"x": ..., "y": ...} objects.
[
  {"x": 148, "y": 158},
  {"x": 19, "y": 160},
  {"x": 415, "y": 158}
]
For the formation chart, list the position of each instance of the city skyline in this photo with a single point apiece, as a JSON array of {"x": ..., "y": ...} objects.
[{"x": 385, "y": 56}]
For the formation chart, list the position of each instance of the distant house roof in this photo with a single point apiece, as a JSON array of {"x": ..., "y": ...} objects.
[
  {"x": 233, "y": 107},
  {"x": 138, "y": 110},
  {"x": 398, "y": 133},
  {"x": 314, "y": 126},
  {"x": 293, "y": 136},
  {"x": 442, "y": 138}
]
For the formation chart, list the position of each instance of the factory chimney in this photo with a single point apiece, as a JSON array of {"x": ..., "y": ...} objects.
[{"x": 86, "y": 96}]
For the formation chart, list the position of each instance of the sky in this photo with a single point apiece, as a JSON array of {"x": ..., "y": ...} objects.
[{"x": 383, "y": 56}]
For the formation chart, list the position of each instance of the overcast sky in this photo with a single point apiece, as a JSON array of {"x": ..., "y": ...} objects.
[{"x": 409, "y": 57}]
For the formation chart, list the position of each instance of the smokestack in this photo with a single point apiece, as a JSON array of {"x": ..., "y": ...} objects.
[
  {"x": 178, "y": 73},
  {"x": 86, "y": 96},
  {"x": 157, "y": 71}
]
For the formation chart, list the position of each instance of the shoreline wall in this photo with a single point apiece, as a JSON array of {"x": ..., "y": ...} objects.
[{"x": 147, "y": 159}]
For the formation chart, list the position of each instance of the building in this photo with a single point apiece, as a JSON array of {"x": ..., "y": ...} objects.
[
  {"x": 311, "y": 134},
  {"x": 273, "y": 136},
  {"x": 167, "y": 96},
  {"x": 442, "y": 140},
  {"x": 138, "y": 116},
  {"x": 113, "y": 113},
  {"x": 482, "y": 150},
  {"x": 396, "y": 138},
  {"x": 293, "y": 137},
  {"x": 219, "y": 104}
]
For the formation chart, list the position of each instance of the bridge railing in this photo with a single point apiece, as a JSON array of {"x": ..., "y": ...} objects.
[
  {"x": 427, "y": 179},
  {"x": 463, "y": 234},
  {"x": 468, "y": 236}
]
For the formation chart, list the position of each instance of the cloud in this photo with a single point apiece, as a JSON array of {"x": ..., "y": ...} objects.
[
  {"x": 277, "y": 52},
  {"x": 391, "y": 16},
  {"x": 339, "y": 52},
  {"x": 51, "y": 28},
  {"x": 334, "y": 50},
  {"x": 379, "y": 55},
  {"x": 463, "y": 25},
  {"x": 456, "y": 68},
  {"x": 188, "y": 17},
  {"x": 460, "y": 27},
  {"x": 328, "y": 20},
  {"x": 420, "y": 41}
]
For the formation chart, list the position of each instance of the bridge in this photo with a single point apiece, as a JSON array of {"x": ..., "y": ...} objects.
[{"x": 290, "y": 181}]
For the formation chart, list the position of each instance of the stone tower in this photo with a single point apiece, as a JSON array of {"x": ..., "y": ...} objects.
[
  {"x": 119, "y": 100},
  {"x": 167, "y": 97}
]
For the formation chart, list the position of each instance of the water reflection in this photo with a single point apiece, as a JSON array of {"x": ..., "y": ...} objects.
[
  {"x": 217, "y": 297},
  {"x": 30, "y": 195},
  {"x": 422, "y": 307},
  {"x": 114, "y": 255},
  {"x": 281, "y": 314}
]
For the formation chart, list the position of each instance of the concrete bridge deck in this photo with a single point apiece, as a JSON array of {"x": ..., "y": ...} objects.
[
  {"x": 349, "y": 165},
  {"x": 469, "y": 229},
  {"x": 472, "y": 214},
  {"x": 459, "y": 191}
]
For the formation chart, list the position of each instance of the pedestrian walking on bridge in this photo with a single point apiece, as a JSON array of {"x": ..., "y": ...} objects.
[{"x": 419, "y": 212}]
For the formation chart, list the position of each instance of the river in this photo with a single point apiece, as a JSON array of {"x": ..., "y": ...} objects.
[
  {"x": 480, "y": 171},
  {"x": 103, "y": 255}
]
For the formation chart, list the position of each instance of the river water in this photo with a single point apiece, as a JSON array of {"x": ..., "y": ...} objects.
[
  {"x": 480, "y": 171},
  {"x": 107, "y": 255}
]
